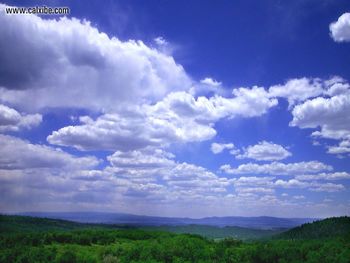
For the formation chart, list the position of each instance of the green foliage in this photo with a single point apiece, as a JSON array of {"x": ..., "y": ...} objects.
[
  {"x": 219, "y": 232},
  {"x": 327, "y": 228},
  {"x": 99, "y": 244},
  {"x": 37, "y": 224}
]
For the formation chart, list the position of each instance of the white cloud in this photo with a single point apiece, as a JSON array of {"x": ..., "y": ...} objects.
[
  {"x": 219, "y": 147},
  {"x": 181, "y": 189},
  {"x": 260, "y": 190},
  {"x": 340, "y": 30},
  {"x": 76, "y": 60},
  {"x": 331, "y": 115},
  {"x": 145, "y": 101},
  {"x": 277, "y": 168},
  {"x": 253, "y": 184},
  {"x": 253, "y": 181},
  {"x": 210, "y": 82},
  {"x": 264, "y": 151},
  {"x": 152, "y": 177},
  {"x": 343, "y": 147},
  {"x": 293, "y": 183},
  {"x": 16, "y": 153},
  {"x": 132, "y": 84},
  {"x": 324, "y": 176},
  {"x": 336, "y": 86},
  {"x": 297, "y": 90},
  {"x": 179, "y": 117},
  {"x": 132, "y": 130},
  {"x": 151, "y": 165},
  {"x": 312, "y": 186},
  {"x": 148, "y": 158},
  {"x": 160, "y": 41},
  {"x": 12, "y": 120},
  {"x": 195, "y": 179}
]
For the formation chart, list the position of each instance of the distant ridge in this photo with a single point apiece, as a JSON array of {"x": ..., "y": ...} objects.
[
  {"x": 262, "y": 222},
  {"x": 28, "y": 224},
  {"x": 326, "y": 228}
]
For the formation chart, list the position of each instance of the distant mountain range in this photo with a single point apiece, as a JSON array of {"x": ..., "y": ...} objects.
[{"x": 261, "y": 222}]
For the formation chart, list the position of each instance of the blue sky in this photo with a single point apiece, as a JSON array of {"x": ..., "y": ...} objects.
[{"x": 177, "y": 108}]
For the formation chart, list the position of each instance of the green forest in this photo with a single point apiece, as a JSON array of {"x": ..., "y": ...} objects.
[{"x": 26, "y": 239}]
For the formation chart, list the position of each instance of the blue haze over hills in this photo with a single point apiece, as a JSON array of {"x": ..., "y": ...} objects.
[{"x": 261, "y": 222}]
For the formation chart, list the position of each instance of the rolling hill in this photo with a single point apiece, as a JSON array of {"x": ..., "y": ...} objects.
[
  {"x": 214, "y": 232},
  {"x": 20, "y": 224},
  {"x": 327, "y": 228},
  {"x": 27, "y": 239},
  {"x": 262, "y": 222}
]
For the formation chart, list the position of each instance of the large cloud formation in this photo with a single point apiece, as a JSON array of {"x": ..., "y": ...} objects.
[
  {"x": 179, "y": 117},
  {"x": 54, "y": 62},
  {"x": 330, "y": 114},
  {"x": 144, "y": 101}
]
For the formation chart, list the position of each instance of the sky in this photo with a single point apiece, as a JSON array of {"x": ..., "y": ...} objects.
[{"x": 177, "y": 108}]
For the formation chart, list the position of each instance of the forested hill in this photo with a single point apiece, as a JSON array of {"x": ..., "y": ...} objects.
[
  {"x": 13, "y": 224},
  {"x": 16, "y": 224},
  {"x": 25, "y": 239},
  {"x": 327, "y": 228},
  {"x": 217, "y": 233},
  {"x": 260, "y": 222}
]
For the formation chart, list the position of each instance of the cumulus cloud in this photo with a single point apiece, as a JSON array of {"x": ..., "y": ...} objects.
[
  {"x": 219, "y": 147},
  {"x": 267, "y": 185},
  {"x": 253, "y": 181},
  {"x": 336, "y": 86},
  {"x": 148, "y": 158},
  {"x": 157, "y": 164},
  {"x": 149, "y": 176},
  {"x": 340, "y": 29},
  {"x": 312, "y": 186},
  {"x": 324, "y": 176},
  {"x": 146, "y": 101},
  {"x": 264, "y": 151},
  {"x": 122, "y": 132},
  {"x": 211, "y": 82},
  {"x": 331, "y": 115},
  {"x": 12, "y": 120},
  {"x": 297, "y": 90},
  {"x": 342, "y": 148},
  {"x": 16, "y": 153},
  {"x": 146, "y": 181},
  {"x": 179, "y": 117},
  {"x": 207, "y": 87},
  {"x": 76, "y": 60},
  {"x": 277, "y": 168},
  {"x": 134, "y": 85},
  {"x": 195, "y": 179}
]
